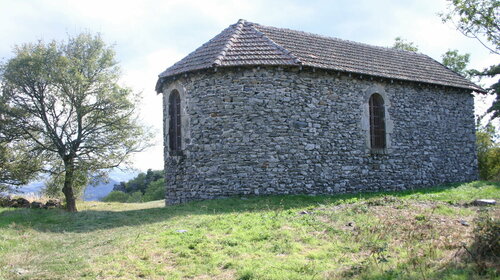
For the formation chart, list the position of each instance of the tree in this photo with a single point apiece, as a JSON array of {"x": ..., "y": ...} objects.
[
  {"x": 479, "y": 19},
  {"x": 492, "y": 72},
  {"x": 18, "y": 163},
  {"x": 488, "y": 153},
  {"x": 402, "y": 44},
  {"x": 140, "y": 182},
  {"x": 65, "y": 99},
  {"x": 457, "y": 62},
  {"x": 155, "y": 190}
]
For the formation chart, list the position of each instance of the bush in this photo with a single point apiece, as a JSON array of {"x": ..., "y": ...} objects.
[
  {"x": 488, "y": 153},
  {"x": 135, "y": 197},
  {"x": 155, "y": 190},
  {"x": 116, "y": 196},
  {"x": 485, "y": 249}
]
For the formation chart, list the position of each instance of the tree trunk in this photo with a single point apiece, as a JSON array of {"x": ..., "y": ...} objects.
[{"x": 68, "y": 187}]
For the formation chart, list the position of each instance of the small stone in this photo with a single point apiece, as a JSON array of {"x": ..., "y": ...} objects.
[
  {"x": 52, "y": 203},
  {"x": 350, "y": 224},
  {"x": 484, "y": 202},
  {"x": 20, "y": 271},
  {"x": 309, "y": 147},
  {"x": 299, "y": 124},
  {"x": 303, "y": 212},
  {"x": 464, "y": 223},
  {"x": 181, "y": 230}
]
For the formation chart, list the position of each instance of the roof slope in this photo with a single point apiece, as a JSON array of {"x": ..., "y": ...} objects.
[{"x": 246, "y": 43}]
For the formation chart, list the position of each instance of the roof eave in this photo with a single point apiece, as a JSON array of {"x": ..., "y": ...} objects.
[{"x": 165, "y": 75}]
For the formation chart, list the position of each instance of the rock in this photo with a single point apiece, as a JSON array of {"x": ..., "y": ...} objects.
[
  {"x": 303, "y": 212},
  {"x": 36, "y": 205},
  {"x": 181, "y": 230},
  {"x": 22, "y": 202},
  {"x": 20, "y": 271},
  {"x": 309, "y": 147},
  {"x": 350, "y": 224},
  {"x": 52, "y": 203},
  {"x": 484, "y": 202},
  {"x": 464, "y": 223},
  {"x": 300, "y": 124}
]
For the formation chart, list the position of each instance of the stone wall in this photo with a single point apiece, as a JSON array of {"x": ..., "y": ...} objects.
[{"x": 286, "y": 131}]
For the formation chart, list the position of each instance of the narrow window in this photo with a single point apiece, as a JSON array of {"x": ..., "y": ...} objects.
[
  {"x": 174, "y": 128},
  {"x": 377, "y": 122}
]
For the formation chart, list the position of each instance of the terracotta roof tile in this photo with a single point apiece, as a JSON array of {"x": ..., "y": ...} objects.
[{"x": 246, "y": 43}]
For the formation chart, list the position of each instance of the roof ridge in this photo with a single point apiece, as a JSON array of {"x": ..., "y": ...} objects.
[
  {"x": 274, "y": 44},
  {"x": 230, "y": 41}
]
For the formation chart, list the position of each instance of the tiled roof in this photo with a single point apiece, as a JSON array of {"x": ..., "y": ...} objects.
[{"x": 246, "y": 43}]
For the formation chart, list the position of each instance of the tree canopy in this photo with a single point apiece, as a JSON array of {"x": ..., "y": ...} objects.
[
  {"x": 64, "y": 99},
  {"x": 403, "y": 44},
  {"x": 480, "y": 19},
  {"x": 457, "y": 62}
]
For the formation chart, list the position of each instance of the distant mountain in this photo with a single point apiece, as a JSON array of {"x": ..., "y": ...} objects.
[
  {"x": 96, "y": 193},
  {"x": 123, "y": 175},
  {"x": 91, "y": 193}
]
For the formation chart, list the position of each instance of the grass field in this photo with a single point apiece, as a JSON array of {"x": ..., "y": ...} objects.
[{"x": 401, "y": 235}]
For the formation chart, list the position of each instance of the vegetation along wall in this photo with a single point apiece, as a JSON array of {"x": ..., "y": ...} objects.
[{"x": 253, "y": 131}]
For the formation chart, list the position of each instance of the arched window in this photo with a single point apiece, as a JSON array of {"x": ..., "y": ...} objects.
[
  {"x": 174, "y": 128},
  {"x": 377, "y": 122}
]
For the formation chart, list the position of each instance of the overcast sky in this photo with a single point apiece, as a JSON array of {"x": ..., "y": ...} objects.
[{"x": 150, "y": 36}]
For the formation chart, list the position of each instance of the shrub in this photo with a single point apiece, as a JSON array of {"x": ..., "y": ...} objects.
[
  {"x": 155, "y": 190},
  {"x": 135, "y": 197},
  {"x": 488, "y": 153},
  {"x": 116, "y": 196},
  {"x": 485, "y": 249}
]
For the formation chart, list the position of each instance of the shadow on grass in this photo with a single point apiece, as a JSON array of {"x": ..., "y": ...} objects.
[{"x": 91, "y": 220}]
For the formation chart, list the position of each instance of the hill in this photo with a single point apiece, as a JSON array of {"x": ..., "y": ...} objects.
[
  {"x": 96, "y": 193},
  {"x": 417, "y": 234}
]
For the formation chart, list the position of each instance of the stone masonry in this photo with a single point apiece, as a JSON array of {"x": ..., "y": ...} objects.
[{"x": 292, "y": 130}]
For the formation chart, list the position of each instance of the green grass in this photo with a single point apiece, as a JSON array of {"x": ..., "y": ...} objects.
[{"x": 413, "y": 234}]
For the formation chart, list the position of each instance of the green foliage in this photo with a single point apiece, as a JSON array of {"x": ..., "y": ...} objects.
[
  {"x": 116, "y": 196},
  {"x": 64, "y": 98},
  {"x": 477, "y": 19},
  {"x": 150, "y": 186},
  {"x": 155, "y": 190},
  {"x": 140, "y": 182},
  {"x": 402, "y": 44},
  {"x": 480, "y": 19},
  {"x": 135, "y": 197},
  {"x": 457, "y": 62},
  {"x": 18, "y": 164},
  {"x": 485, "y": 249},
  {"x": 492, "y": 72},
  {"x": 54, "y": 184},
  {"x": 144, "y": 187},
  {"x": 488, "y": 153}
]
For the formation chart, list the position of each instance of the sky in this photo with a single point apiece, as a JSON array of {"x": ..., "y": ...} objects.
[{"x": 149, "y": 36}]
